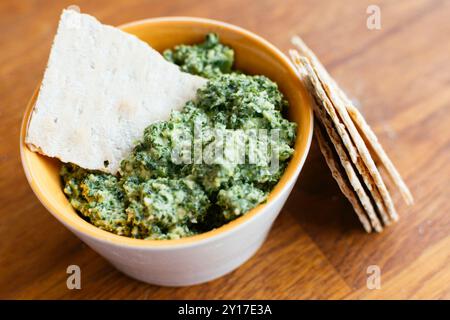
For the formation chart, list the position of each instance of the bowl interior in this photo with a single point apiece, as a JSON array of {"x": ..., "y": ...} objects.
[{"x": 253, "y": 56}]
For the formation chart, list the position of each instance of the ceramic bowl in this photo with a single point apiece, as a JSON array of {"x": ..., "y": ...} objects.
[{"x": 212, "y": 254}]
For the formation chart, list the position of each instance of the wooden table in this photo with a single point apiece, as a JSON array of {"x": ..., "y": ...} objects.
[{"x": 400, "y": 75}]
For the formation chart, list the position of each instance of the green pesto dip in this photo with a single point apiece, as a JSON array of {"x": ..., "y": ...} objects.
[{"x": 155, "y": 197}]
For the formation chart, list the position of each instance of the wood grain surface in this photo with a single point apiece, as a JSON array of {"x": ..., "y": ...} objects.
[{"x": 400, "y": 76}]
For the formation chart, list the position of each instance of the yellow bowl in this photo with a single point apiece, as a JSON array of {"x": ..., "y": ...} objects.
[{"x": 254, "y": 55}]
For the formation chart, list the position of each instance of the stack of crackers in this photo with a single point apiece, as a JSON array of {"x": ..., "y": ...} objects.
[{"x": 350, "y": 147}]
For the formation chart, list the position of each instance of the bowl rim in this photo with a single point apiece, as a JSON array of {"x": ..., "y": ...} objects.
[{"x": 288, "y": 177}]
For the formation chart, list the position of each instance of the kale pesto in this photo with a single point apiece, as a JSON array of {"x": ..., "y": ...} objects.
[
  {"x": 155, "y": 197},
  {"x": 208, "y": 59}
]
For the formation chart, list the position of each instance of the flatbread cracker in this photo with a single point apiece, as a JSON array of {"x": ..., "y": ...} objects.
[
  {"x": 320, "y": 99},
  {"x": 361, "y": 168},
  {"x": 331, "y": 89},
  {"x": 339, "y": 175},
  {"x": 372, "y": 140},
  {"x": 101, "y": 89}
]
